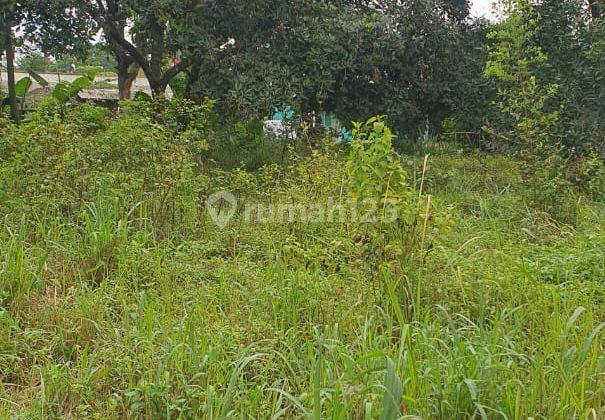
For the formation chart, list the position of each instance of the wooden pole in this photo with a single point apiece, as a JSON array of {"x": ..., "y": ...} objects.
[{"x": 10, "y": 66}]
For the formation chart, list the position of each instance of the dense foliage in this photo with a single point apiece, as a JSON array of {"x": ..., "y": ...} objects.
[
  {"x": 168, "y": 258},
  {"x": 412, "y": 61},
  {"x": 422, "y": 64},
  {"x": 94, "y": 56},
  {"x": 120, "y": 297}
]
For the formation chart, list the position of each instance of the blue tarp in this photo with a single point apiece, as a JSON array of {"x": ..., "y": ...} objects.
[{"x": 279, "y": 115}]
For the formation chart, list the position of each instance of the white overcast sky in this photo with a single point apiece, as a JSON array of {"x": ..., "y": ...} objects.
[{"x": 482, "y": 8}]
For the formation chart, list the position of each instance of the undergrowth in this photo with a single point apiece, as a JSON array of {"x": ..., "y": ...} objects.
[{"x": 120, "y": 298}]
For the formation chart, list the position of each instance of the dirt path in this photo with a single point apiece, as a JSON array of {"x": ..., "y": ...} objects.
[{"x": 53, "y": 78}]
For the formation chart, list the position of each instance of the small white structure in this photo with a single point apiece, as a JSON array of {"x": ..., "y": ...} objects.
[{"x": 279, "y": 129}]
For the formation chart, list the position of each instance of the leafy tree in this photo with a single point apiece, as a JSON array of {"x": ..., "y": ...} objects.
[
  {"x": 352, "y": 58},
  {"x": 52, "y": 25},
  {"x": 33, "y": 62},
  {"x": 522, "y": 100},
  {"x": 530, "y": 104},
  {"x": 155, "y": 26},
  {"x": 96, "y": 55},
  {"x": 574, "y": 45}
]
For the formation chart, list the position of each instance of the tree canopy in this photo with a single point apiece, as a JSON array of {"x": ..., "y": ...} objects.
[{"x": 418, "y": 62}]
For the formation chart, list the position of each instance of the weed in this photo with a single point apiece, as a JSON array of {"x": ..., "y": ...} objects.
[{"x": 121, "y": 299}]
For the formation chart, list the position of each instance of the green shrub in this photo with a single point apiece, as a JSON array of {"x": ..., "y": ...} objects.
[
  {"x": 595, "y": 172},
  {"x": 62, "y": 154},
  {"x": 449, "y": 127},
  {"x": 117, "y": 299},
  {"x": 387, "y": 205},
  {"x": 244, "y": 145},
  {"x": 550, "y": 190},
  {"x": 90, "y": 118},
  {"x": 526, "y": 122},
  {"x": 375, "y": 173},
  {"x": 5, "y": 136}
]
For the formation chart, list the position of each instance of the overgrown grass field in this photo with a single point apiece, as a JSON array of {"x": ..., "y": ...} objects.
[{"x": 121, "y": 298}]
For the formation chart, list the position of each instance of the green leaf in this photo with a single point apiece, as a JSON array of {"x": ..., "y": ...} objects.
[
  {"x": 22, "y": 87},
  {"x": 573, "y": 318},
  {"x": 588, "y": 342},
  {"x": 472, "y": 388},
  {"x": 77, "y": 85},
  {"x": 39, "y": 79},
  {"x": 393, "y": 389},
  {"x": 317, "y": 390},
  {"x": 142, "y": 96},
  {"x": 61, "y": 92},
  {"x": 91, "y": 74}
]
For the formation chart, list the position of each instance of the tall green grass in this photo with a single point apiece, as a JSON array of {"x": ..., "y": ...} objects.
[{"x": 110, "y": 308}]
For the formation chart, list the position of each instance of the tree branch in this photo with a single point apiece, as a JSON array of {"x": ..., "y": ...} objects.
[
  {"x": 130, "y": 48},
  {"x": 173, "y": 71}
]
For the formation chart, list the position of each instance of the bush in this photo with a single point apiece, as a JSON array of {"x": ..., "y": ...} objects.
[
  {"x": 526, "y": 123},
  {"x": 61, "y": 155},
  {"x": 375, "y": 172},
  {"x": 377, "y": 182},
  {"x": 244, "y": 145},
  {"x": 114, "y": 296},
  {"x": 593, "y": 172},
  {"x": 550, "y": 190}
]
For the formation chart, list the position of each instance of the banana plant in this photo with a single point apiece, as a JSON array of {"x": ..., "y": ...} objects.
[
  {"x": 64, "y": 91},
  {"x": 39, "y": 79},
  {"x": 21, "y": 88}
]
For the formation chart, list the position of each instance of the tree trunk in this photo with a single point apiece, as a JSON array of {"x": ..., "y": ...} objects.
[
  {"x": 123, "y": 86},
  {"x": 10, "y": 69},
  {"x": 157, "y": 88},
  {"x": 595, "y": 9},
  {"x": 126, "y": 67},
  {"x": 194, "y": 75},
  {"x": 126, "y": 77},
  {"x": 156, "y": 84},
  {"x": 152, "y": 66}
]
